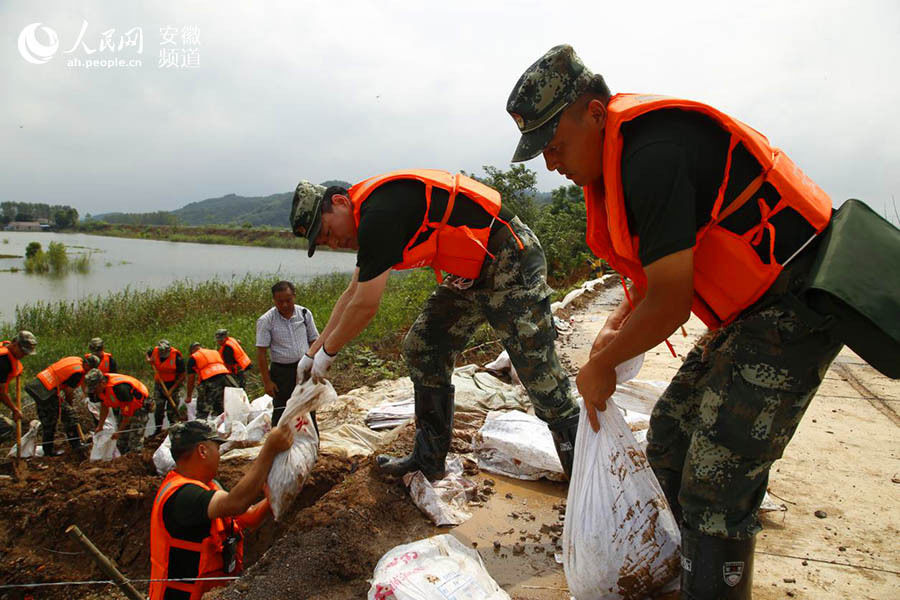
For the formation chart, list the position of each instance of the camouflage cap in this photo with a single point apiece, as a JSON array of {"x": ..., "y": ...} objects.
[
  {"x": 195, "y": 345},
  {"x": 93, "y": 379},
  {"x": 184, "y": 436},
  {"x": 92, "y": 361},
  {"x": 26, "y": 341},
  {"x": 164, "y": 347},
  {"x": 306, "y": 212},
  {"x": 221, "y": 333},
  {"x": 95, "y": 345},
  {"x": 543, "y": 91}
]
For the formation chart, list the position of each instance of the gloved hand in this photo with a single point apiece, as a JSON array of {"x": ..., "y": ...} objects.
[
  {"x": 303, "y": 369},
  {"x": 321, "y": 364}
]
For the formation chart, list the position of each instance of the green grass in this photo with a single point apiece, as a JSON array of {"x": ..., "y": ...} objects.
[{"x": 131, "y": 321}]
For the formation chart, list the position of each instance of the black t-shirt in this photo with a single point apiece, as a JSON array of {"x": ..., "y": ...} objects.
[
  {"x": 393, "y": 213},
  {"x": 185, "y": 517},
  {"x": 228, "y": 355},
  {"x": 5, "y": 368},
  {"x": 74, "y": 380},
  {"x": 113, "y": 367},
  {"x": 673, "y": 162},
  {"x": 125, "y": 393}
]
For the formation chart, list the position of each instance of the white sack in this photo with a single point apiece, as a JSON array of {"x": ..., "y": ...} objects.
[
  {"x": 444, "y": 500},
  {"x": 30, "y": 442},
  {"x": 162, "y": 458},
  {"x": 261, "y": 405},
  {"x": 391, "y": 414},
  {"x": 517, "y": 444},
  {"x": 237, "y": 407},
  {"x": 259, "y": 427},
  {"x": 436, "y": 568},
  {"x": 503, "y": 364},
  {"x": 104, "y": 446},
  {"x": 291, "y": 468},
  {"x": 620, "y": 540}
]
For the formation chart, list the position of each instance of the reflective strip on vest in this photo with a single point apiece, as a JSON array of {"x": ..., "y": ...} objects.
[
  {"x": 209, "y": 363},
  {"x": 242, "y": 361},
  {"x": 56, "y": 374},
  {"x": 210, "y": 549},
  {"x": 459, "y": 250},
  {"x": 728, "y": 273}
]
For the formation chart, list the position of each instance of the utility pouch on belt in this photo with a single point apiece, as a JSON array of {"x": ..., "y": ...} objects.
[
  {"x": 855, "y": 278},
  {"x": 229, "y": 553}
]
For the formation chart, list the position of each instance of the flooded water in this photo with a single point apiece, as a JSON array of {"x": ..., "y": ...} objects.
[{"x": 143, "y": 264}]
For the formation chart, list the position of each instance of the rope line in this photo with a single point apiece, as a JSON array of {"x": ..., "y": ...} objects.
[{"x": 11, "y": 586}]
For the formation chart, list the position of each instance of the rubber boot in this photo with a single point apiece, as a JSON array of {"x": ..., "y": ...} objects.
[
  {"x": 563, "y": 432},
  {"x": 714, "y": 568},
  {"x": 434, "y": 431}
]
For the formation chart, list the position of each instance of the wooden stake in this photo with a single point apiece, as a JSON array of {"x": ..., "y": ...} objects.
[
  {"x": 106, "y": 565},
  {"x": 20, "y": 469}
]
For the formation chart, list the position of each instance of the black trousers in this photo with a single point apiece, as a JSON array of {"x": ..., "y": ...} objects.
[{"x": 285, "y": 377}]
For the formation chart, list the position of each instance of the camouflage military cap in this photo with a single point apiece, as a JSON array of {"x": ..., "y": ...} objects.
[
  {"x": 221, "y": 334},
  {"x": 92, "y": 361},
  {"x": 194, "y": 346},
  {"x": 306, "y": 212},
  {"x": 93, "y": 380},
  {"x": 184, "y": 436},
  {"x": 26, "y": 341},
  {"x": 543, "y": 91},
  {"x": 164, "y": 347},
  {"x": 95, "y": 345}
]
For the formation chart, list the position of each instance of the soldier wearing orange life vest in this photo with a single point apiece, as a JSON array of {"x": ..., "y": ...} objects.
[
  {"x": 53, "y": 390},
  {"x": 131, "y": 397},
  {"x": 235, "y": 358},
  {"x": 196, "y": 527},
  {"x": 496, "y": 273},
  {"x": 703, "y": 215},
  {"x": 107, "y": 362},
  {"x": 207, "y": 366},
  {"x": 11, "y": 355},
  {"x": 169, "y": 373}
]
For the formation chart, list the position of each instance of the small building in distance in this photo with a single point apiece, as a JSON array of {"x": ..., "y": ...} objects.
[{"x": 26, "y": 226}]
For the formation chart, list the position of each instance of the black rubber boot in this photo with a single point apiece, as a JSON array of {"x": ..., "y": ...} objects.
[
  {"x": 563, "y": 432},
  {"x": 434, "y": 431},
  {"x": 714, "y": 568}
]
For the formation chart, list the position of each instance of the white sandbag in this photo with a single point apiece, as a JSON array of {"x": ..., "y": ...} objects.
[
  {"x": 503, "y": 364},
  {"x": 236, "y": 438},
  {"x": 237, "y": 407},
  {"x": 190, "y": 407},
  {"x": 391, "y": 414},
  {"x": 30, "y": 442},
  {"x": 517, "y": 444},
  {"x": 436, "y": 568},
  {"x": 291, "y": 468},
  {"x": 259, "y": 427},
  {"x": 629, "y": 369},
  {"x": 620, "y": 540},
  {"x": 104, "y": 446},
  {"x": 261, "y": 405},
  {"x": 444, "y": 500},
  {"x": 639, "y": 395},
  {"x": 162, "y": 458}
]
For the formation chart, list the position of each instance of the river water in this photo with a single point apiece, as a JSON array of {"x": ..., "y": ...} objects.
[{"x": 143, "y": 264}]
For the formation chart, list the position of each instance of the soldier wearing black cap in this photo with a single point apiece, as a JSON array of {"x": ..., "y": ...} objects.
[{"x": 686, "y": 201}]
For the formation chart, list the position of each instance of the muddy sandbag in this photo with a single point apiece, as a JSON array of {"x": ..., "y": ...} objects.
[
  {"x": 444, "y": 500},
  {"x": 30, "y": 442},
  {"x": 104, "y": 447},
  {"x": 620, "y": 540},
  {"x": 291, "y": 468},
  {"x": 517, "y": 444},
  {"x": 261, "y": 405},
  {"x": 436, "y": 568},
  {"x": 162, "y": 458},
  {"x": 237, "y": 407}
]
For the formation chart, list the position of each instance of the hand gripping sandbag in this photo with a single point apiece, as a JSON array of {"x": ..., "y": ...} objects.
[
  {"x": 436, "y": 568},
  {"x": 291, "y": 468},
  {"x": 620, "y": 540}
]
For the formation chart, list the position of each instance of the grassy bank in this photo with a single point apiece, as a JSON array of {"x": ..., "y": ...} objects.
[
  {"x": 219, "y": 234},
  {"x": 132, "y": 321}
]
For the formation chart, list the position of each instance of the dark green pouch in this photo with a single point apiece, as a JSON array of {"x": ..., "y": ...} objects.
[{"x": 855, "y": 278}]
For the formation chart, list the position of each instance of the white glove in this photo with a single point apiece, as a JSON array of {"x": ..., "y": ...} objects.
[
  {"x": 303, "y": 369},
  {"x": 321, "y": 364}
]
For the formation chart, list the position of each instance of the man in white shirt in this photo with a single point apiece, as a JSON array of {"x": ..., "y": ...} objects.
[{"x": 286, "y": 331}]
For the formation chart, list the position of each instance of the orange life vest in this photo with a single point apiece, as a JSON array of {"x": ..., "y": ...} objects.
[
  {"x": 15, "y": 364},
  {"x": 108, "y": 396},
  {"x": 55, "y": 375},
  {"x": 242, "y": 361},
  {"x": 165, "y": 368},
  {"x": 729, "y": 275},
  {"x": 210, "y": 549},
  {"x": 104, "y": 362},
  {"x": 459, "y": 250},
  {"x": 209, "y": 363}
]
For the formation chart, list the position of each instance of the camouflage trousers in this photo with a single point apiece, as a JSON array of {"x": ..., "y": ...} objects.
[
  {"x": 132, "y": 439},
  {"x": 211, "y": 396},
  {"x": 731, "y": 410},
  {"x": 163, "y": 408},
  {"x": 51, "y": 410},
  {"x": 512, "y": 295}
]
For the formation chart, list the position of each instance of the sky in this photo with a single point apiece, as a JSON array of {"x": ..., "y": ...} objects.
[{"x": 250, "y": 97}]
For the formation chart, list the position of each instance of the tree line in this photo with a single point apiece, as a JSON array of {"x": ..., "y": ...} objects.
[{"x": 59, "y": 216}]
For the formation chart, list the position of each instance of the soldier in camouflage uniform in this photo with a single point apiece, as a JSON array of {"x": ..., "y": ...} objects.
[
  {"x": 132, "y": 399},
  {"x": 737, "y": 399},
  {"x": 509, "y": 291},
  {"x": 207, "y": 366}
]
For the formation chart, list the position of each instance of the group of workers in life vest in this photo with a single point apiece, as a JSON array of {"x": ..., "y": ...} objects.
[
  {"x": 695, "y": 208},
  {"x": 96, "y": 374}
]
